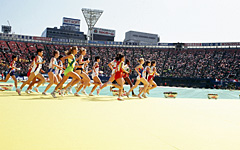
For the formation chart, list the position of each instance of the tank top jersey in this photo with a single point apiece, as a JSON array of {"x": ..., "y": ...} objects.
[
  {"x": 140, "y": 70},
  {"x": 12, "y": 68},
  {"x": 95, "y": 73},
  {"x": 118, "y": 70},
  {"x": 145, "y": 73},
  {"x": 151, "y": 74},
  {"x": 57, "y": 70},
  {"x": 71, "y": 62},
  {"x": 126, "y": 68},
  {"x": 114, "y": 64},
  {"x": 53, "y": 62},
  {"x": 36, "y": 68},
  {"x": 80, "y": 65},
  {"x": 151, "y": 71},
  {"x": 30, "y": 68}
]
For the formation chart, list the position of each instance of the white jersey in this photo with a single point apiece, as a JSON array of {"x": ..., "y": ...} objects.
[
  {"x": 151, "y": 70},
  {"x": 31, "y": 65},
  {"x": 145, "y": 74},
  {"x": 54, "y": 61},
  {"x": 114, "y": 64},
  {"x": 57, "y": 70},
  {"x": 95, "y": 70},
  {"x": 126, "y": 68},
  {"x": 36, "y": 68}
]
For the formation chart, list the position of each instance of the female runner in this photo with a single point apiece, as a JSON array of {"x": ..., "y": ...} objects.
[
  {"x": 53, "y": 65},
  {"x": 152, "y": 73},
  {"x": 95, "y": 72},
  {"x": 80, "y": 72},
  {"x": 126, "y": 76},
  {"x": 139, "y": 69},
  {"x": 11, "y": 71},
  {"x": 69, "y": 70},
  {"x": 112, "y": 65},
  {"x": 119, "y": 75},
  {"x": 38, "y": 61}
]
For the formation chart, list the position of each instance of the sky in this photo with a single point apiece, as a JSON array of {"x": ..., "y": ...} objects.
[{"x": 173, "y": 20}]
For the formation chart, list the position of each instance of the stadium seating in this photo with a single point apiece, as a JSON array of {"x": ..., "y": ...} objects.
[
  {"x": 190, "y": 63},
  {"x": 22, "y": 46},
  {"x": 13, "y": 47},
  {"x": 3, "y": 45}
]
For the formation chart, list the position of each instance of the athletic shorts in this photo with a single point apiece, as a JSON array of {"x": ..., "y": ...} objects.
[
  {"x": 11, "y": 72},
  {"x": 118, "y": 75},
  {"x": 68, "y": 69},
  {"x": 51, "y": 70},
  {"x": 150, "y": 77}
]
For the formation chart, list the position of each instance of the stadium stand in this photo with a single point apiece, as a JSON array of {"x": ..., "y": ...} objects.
[{"x": 187, "y": 63}]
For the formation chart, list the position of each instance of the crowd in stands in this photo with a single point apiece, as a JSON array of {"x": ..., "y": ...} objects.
[{"x": 192, "y": 63}]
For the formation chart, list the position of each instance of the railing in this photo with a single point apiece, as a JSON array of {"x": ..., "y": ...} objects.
[{"x": 56, "y": 41}]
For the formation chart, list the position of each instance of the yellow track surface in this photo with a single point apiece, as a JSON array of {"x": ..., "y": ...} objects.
[{"x": 36, "y": 122}]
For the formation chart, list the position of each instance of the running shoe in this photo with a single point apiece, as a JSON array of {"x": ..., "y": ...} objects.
[
  {"x": 53, "y": 94},
  {"x": 144, "y": 95},
  {"x": 148, "y": 91},
  {"x": 62, "y": 92},
  {"x": 134, "y": 95},
  {"x": 91, "y": 94},
  {"x": 27, "y": 91},
  {"x": 43, "y": 93},
  {"x": 120, "y": 98},
  {"x": 76, "y": 94},
  {"x": 127, "y": 94},
  {"x": 84, "y": 92},
  {"x": 139, "y": 96},
  {"x": 69, "y": 90},
  {"x": 19, "y": 91}
]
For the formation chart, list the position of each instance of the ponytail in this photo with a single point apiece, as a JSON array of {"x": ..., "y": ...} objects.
[
  {"x": 71, "y": 50},
  {"x": 141, "y": 59},
  {"x": 82, "y": 50}
]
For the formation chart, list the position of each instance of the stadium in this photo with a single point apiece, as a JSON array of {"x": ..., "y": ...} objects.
[{"x": 194, "y": 106}]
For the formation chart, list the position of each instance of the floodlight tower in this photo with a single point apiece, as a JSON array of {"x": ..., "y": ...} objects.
[{"x": 91, "y": 16}]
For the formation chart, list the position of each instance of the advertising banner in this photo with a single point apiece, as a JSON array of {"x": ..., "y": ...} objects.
[
  {"x": 71, "y": 22},
  {"x": 106, "y": 32},
  {"x": 165, "y": 44},
  {"x": 230, "y": 44},
  {"x": 60, "y": 40},
  {"x": 211, "y": 44},
  {"x": 42, "y": 38},
  {"x": 193, "y": 44}
]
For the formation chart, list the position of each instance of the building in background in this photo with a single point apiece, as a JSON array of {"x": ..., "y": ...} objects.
[
  {"x": 141, "y": 38},
  {"x": 71, "y": 24},
  {"x": 70, "y": 29},
  {"x": 100, "y": 34}
]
